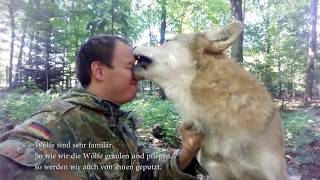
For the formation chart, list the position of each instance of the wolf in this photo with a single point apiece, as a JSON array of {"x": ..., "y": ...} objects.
[{"x": 241, "y": 126}]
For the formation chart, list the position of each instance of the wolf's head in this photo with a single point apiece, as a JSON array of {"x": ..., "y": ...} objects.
[{"x": 177, "y": 60}]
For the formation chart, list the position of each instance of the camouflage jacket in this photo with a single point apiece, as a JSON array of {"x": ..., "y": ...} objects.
[{"x": 80, "y": 136}]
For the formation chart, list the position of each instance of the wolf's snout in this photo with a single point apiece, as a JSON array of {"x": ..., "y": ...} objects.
[
  {"x": 141, "y": 65},
  {"x": 137, "y": 73},
  {"x": 142, "y": 61}
]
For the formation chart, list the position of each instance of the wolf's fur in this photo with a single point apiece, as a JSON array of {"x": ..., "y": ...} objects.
[{"x": 243, "y": 138}]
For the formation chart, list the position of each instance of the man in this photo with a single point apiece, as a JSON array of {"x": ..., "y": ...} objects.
[{"x": 84, "y": 135}]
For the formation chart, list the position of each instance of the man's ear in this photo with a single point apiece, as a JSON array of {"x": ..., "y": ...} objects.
[
  {"x": 223, "y": 38},
  {"x": 97, "y": 70}
]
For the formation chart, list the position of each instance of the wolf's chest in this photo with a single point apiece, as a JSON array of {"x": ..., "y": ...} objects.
[{"x": 227, "y": 145}]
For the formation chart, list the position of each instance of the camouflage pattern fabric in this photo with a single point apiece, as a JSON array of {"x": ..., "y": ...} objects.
[{"x": 79, "y": 118}]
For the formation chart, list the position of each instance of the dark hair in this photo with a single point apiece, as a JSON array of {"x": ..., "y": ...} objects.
[{"x": 99, "y": 48}]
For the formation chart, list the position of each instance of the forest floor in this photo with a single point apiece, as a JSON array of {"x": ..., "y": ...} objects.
[
  {"x": 302, "y": 132},
  {"x": 301, "y": 128}
]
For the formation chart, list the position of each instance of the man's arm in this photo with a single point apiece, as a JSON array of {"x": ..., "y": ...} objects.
[
  {"x": 182, "y": 164},
  {"x": 190, "y": 146}
]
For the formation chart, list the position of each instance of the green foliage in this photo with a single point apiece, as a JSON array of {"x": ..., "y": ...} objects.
[
  {"x": 57, "y": 28},
  {"x": 27, "y": 87},
  {"x": 18, "y": 107},
  {"x": 155, "y": 111},
  {"x": 278, "y": 43},
  {"x": 264, "y": 72},
  {"x": 197, "y": 15},
  {"x": 300, "y": 128},
  {"x": 210, "y": 13}
]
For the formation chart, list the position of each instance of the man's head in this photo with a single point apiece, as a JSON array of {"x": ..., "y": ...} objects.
[{"x": 104, "y": 67}]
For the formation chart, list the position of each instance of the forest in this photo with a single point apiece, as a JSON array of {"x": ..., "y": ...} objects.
[{"x": 39, "y": 40}]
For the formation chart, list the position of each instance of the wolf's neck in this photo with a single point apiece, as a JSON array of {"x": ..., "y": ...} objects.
[
  {"x": 180, "y": 92},
  {"x": 179, "y": 95}
]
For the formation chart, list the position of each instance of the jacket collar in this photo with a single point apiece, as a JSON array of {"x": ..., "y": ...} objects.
[{"x": 87, "y": 99}]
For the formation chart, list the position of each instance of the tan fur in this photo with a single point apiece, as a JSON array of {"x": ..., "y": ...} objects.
[
  {"x": 241, "y": 107},
  {"x": 243, "y": 138}
]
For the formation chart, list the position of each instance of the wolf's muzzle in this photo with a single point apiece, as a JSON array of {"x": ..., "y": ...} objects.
[{"x": 142, "y": 61}]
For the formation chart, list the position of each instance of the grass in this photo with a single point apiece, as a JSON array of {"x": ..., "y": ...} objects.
[{"x": 302, "y": 128}]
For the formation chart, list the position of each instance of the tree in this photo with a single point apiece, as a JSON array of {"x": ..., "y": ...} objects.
[
  {"x": 312, "y": 53},
  {"x": 163, "y": 26},
  {"x": 18, "y": 76},
  {"x": 276, "y": 44},
  {"x": 237, "y": 46},
  {"x": 12, "y": 8}
]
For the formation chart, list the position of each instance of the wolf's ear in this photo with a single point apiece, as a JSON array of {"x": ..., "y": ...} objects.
[{"x": 222, "y": 39}]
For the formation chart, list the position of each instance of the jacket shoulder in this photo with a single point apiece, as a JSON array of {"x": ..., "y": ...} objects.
[
  {"x": 48, "y": 123},
  {"x": 19, "y": 160},
  {"x": 21, "y": 152},
  {"x": 58, "y": 106}
]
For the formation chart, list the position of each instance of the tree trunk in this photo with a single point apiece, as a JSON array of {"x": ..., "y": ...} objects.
[
  {"x": 267, "y": 29},
  {"x": 47, "y": 58},
  {"x": 28, "y": 75},
  {"x": 67, "y": 77},
  {"x": 47, "y": 66},
  {"x": 163, "y": 24},
  {"x": 280, "y": 79},
  {"x": 17, "y": 78},
  {"x": 63, "y": 68},
  {"x": 163, "y": 27},
  {"x": 7, "y": 74},
  {"x": 312, "y": 54},
  {"x": 237, "y": 46},
  {"x": 70, "y": 78},
  {"x": 151, "y": 43},
  {"x": 12, "y": 24},
  {"x": 112, "y": 16}
]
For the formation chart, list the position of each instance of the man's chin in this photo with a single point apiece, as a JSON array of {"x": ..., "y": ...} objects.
[
  {"x": 133, "y": 93},
  {"x": 134, "y": 87}
]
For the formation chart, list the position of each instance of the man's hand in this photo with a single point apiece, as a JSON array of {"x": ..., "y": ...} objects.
[{"x": 190, "y": 145}]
